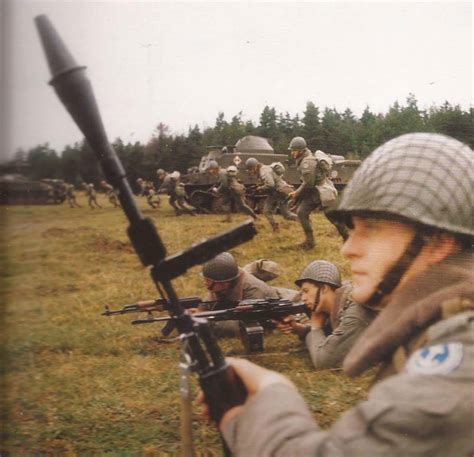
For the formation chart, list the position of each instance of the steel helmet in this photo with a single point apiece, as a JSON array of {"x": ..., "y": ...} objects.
[
  {"x": 160, "y": 171},
  {"x": 251, "y": 163},
  {"x": 425, "y": 178},
  {"x": 212, "y": 164},
  {"x": 320, "y": 271},
  {"x": 222, "y": 268},
  {"x": 298, "y": 143},
  {"x": 175, "y": 175},
  {"x": 232, "y": 170}
]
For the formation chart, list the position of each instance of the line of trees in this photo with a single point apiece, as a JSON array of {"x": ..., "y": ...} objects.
[{"x": 328, "y": 129}]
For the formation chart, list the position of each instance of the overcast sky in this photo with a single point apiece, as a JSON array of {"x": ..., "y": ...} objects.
[{"x": 182, "y": 63}]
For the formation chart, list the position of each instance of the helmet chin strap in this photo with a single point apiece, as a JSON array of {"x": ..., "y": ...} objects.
[
  {"x": 395, "y": 273},
  {"x": 318, "y": 299}
]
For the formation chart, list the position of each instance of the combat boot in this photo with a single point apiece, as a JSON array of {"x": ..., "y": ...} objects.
[
  {"x": 292, "y": 217},
  {"x": 308, "y": 243}
]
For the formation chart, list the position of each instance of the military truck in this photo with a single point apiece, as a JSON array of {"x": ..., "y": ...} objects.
[
  {"x": 198, "y": 183},
  {"x": 16, "y": 189}
]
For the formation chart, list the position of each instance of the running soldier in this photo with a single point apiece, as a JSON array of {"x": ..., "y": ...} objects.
[
  {"x": 147, "y": 190},
  {"x": 410, "y": 252},
  {"x": 337, "y": 321},
  {"x": 71, "y": 196},
  {"x": 91, "y": 195},
  {"x": 233, "y": 193},
  {"x": 171, "y": 185},
  {"x": 111, "y": 193},
  {"x": 271, "y": 182},
  {"x": 316, "y": 191}
]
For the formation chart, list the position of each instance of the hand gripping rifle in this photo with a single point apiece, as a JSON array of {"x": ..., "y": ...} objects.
[{"x": 219, "y": 382}]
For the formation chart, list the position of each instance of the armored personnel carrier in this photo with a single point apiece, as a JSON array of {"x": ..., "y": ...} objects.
[
  {"x": 198, "y": 183},
  {"x": 18, "y": 190}
]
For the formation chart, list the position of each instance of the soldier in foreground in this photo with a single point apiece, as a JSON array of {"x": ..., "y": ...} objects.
[
  {"x": 71, "y": 196},
  {"x": 410, "y": 250},
  {"x": 272, "y": 182},
  {"x": 316, "y": 191},
  {"x": 91, "y": 196},
  {"x": 232, "y": 191},
  {"x": 171, "y": 185},
  {"x": 337, "y": 321},
  {"x": 110, "y": 192}
]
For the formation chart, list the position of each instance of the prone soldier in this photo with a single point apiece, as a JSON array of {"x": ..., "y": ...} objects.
[
  {"x": 272, "y": 182},
  {"x": 337, "y": 321},
  {"x": 111, "y": 193},
  {"x": 170, "y": 184},
  {"x": 410, "y": 252},
  {"x": 228, "y": 284},
  {"x": 91, "y": 195},
  {"x": 316, "y": 191}
]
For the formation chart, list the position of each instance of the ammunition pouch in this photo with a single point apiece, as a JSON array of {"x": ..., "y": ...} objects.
[{"x": 327, "y": 193}]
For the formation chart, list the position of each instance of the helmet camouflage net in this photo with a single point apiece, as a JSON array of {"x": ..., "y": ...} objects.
[
  {"x": 221, "y": 268},
  {"x": 298, "y": 143},
  {"x": 425, "y": 178},
  {"x": 320, "y": 271}
]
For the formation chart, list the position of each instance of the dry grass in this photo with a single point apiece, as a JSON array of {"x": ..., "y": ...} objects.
[{"x": 78, "y": 383}]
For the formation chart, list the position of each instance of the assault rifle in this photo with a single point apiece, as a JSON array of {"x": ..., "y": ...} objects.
[
  {"x": 161, "y": 304},
  {"x": 253, "y": 316},
  {"x": 148, "y": 306},
  {"x": 221, "y": 386}
]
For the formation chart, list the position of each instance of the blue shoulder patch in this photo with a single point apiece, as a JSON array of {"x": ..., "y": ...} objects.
[{"x": 438, "y": 359}]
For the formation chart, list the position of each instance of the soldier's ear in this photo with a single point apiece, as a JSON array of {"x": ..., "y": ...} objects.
[{"x": 439, "y": 246}]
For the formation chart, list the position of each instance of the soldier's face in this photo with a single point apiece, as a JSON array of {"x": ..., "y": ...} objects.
[
  {"x": 216, "y": 287},
  {"x": 295, "y": 153},
  {"x": 309, "y": 292},
  {"x": 373, "y": 247}
]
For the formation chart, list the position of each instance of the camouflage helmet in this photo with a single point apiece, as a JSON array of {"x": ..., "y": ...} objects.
[
  {"x": 320, "y": 271},
  {"x": 424, "y": 178},
  {"x": 298, "y": 143},
  {"x": 222, "y": 268},
  {"x": 251, "y": 163},
  {"x": 232, "y": 170},
  {"x": 212, "y": 164}
]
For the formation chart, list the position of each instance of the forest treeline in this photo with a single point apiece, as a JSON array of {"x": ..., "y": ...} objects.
[{"x": 327, "y": 129}]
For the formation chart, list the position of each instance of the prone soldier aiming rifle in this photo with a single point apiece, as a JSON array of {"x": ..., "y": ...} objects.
[
  {"x": 222, "y": 388},
  {"x": 252, "y": 315}
]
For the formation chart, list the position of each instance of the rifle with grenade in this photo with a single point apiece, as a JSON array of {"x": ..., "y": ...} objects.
[{"x": 221, "y": 386}]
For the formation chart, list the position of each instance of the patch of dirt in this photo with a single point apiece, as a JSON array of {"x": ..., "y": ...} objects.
[{"x": 104, "y": 244}]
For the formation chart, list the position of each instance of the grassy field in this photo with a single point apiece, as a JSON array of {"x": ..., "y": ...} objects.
[{"x": 77, "y": 383}]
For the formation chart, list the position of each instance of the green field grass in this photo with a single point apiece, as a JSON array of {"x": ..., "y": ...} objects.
[{"x": 77, "y": 383}]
